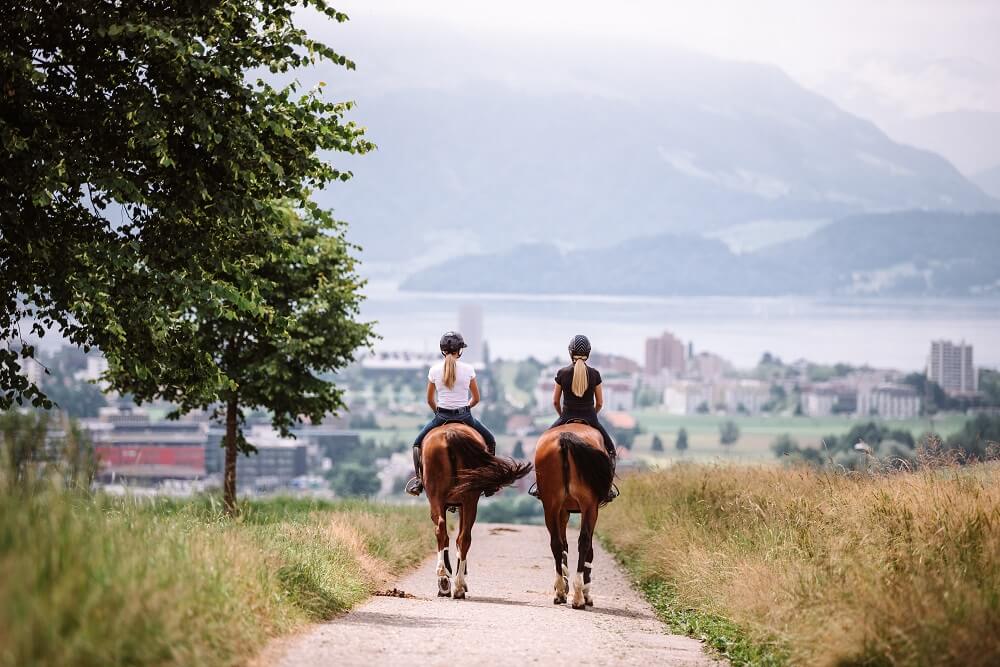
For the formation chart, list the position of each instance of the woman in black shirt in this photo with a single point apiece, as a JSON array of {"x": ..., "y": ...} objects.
[{"x": 578, "y": 395}]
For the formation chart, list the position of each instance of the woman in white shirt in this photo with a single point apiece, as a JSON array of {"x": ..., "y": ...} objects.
[{"x": 452, "y": 392}]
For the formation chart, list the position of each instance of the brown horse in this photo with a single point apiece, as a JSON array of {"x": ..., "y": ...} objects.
[
  {"x": 574, "y": 474},
  {"x": 457, "y": 469}
]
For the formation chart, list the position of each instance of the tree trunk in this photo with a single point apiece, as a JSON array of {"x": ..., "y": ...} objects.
[{"x": 229, "y": 476}]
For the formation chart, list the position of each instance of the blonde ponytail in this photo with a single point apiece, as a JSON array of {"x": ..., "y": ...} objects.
[
  {"x": 450, "y": 370},
  {"x": 579, "y": 376}
]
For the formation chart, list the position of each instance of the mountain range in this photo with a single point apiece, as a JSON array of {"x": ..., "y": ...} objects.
[
  {"x": 915, "y": 253},
  {"x": 598, "y": 154}
]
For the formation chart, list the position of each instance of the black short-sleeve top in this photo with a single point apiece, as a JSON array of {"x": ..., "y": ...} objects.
[{"x": 564, "y": 378}]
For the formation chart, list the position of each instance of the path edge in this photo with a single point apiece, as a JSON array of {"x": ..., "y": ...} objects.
[{"x": 723, "y": 638}]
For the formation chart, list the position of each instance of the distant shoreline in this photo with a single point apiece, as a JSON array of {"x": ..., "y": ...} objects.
[{"x": 887, "y": 332}]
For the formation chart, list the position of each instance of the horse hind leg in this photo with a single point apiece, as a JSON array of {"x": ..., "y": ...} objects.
[
  {"x": 443, "y": 570},
  {"x": 463, "y": 543},
  {"x": 587, "y": 569},
  {"x": 561, "y": 585},
  {"x": 581, "y": 587},
  {"x": 563, "y": 522}
]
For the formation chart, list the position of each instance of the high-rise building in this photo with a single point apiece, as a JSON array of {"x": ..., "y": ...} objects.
[
  {"x": 951, "y": 367},
  {"x": 665, "y": 352},
  {"x": 470, "y": 325}
]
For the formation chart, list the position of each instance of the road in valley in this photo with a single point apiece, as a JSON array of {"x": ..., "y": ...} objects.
[{"x": 508, "y": 617}]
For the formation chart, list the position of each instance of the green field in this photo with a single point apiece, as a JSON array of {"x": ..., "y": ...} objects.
[{"x": 756, "y": 433}]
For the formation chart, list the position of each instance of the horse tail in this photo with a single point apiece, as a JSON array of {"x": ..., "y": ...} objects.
[
  {"x": 481, "y": 471},
  {"x": 592, "y": 465}
]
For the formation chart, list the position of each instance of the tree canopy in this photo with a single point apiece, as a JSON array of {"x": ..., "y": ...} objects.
[
  {"x": 729, "y": 432},
  {"x": 682, "y": 440},
  {"x": 141, "y": 150}
]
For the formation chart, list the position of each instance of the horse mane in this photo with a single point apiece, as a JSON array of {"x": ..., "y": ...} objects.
[
  {"x": 477, "y": 469},
  {"x": 592, "y": 465}
]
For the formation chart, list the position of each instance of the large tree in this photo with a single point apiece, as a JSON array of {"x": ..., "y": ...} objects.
[
  {"x": 140, "y": 151},
  {"x": 278, "y": 358}
]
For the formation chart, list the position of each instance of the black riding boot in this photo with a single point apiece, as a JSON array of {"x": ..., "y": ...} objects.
[
  {"x": 613, "y": 491},
  {"x": 415, "y": 486}
]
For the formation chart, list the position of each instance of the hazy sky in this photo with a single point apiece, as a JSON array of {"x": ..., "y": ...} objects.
[
  {"x": 894, "y": 62},
  {"x": 921, "y": 56}
]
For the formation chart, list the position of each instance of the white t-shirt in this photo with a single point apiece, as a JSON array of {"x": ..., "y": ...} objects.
[{"x": 458, "y": 395}]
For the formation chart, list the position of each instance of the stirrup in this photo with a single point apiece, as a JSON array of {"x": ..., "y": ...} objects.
[
  {"x": 533, "y": 491},
  {"x": 414, "y": 487}
]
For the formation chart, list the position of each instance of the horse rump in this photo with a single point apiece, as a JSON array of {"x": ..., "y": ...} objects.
[
  {"x": 593, "y": 465},
  {"x": 479, "y": 470}
]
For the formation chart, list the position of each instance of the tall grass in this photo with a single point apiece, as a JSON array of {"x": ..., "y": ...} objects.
[
  {"x": 99, "y": 581},
  {"x": 826, "y": 568}
]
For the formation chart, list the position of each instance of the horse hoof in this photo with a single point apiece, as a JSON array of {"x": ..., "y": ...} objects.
[
  {"x": 589, "y": 603},
  {"x": 579, "y": 606},
  {"x": 559, "y": 600},
  {"x": 459, "y": 595},
  {"x": 444, "y": 587}
]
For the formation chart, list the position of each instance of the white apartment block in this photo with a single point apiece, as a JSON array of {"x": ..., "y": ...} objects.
[
  {"x": 818, "y": 403},
  {"x": 889, "y": 401},
  {"x": 684, "y": 397},
  {"x": 618, "y": 394},
  {"x": 748, "y": 395},
  {"x": 951, "y": 367}
]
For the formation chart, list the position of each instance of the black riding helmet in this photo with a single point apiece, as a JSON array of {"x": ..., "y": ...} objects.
[
  {"x": 452, "y": 343},
  {"x": 579, "y": 347}
]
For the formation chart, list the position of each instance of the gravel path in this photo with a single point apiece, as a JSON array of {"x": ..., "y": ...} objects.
[{"x": 508, "y": 617}]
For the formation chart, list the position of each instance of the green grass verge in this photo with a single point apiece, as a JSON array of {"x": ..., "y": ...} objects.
[
  {"x": 105, "y": 581},
  {"x": 721, "y": 634}
]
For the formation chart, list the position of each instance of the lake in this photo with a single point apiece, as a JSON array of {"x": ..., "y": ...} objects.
[{"x": 892, "y": 333}]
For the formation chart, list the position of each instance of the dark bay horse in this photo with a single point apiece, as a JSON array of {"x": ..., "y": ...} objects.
[
  {"x": 457, "y": 468},
  {"x": 574, "y": 474}
]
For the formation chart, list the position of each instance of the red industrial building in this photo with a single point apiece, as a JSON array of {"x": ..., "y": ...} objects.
[{"x": 131, "y": 447}]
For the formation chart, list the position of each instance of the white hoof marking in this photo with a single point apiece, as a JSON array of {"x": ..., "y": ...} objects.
[
  {"x": 460, "y": 587},
  {"x": 579, "y": 602}
]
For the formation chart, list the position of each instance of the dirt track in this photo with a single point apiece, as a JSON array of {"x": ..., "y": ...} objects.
[{"x": 508, "y": 617}]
